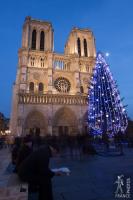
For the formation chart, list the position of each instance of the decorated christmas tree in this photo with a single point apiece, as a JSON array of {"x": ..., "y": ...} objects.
[{"x": 106, "y": 114}]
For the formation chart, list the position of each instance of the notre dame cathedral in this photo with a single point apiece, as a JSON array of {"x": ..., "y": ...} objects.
[{"x": 50, "y": 91}]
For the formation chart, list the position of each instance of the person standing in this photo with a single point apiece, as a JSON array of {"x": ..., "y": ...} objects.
[
  {"x": 105, "y": 139},
  {"x": 118, "y": 142},
  {"x": 24, "y": 151},
  {"x": 35, "y": 171}
]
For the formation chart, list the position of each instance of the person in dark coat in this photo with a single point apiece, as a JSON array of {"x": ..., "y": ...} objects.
[
  {"x": 24, "y": 151},
  {"x": 36, "y": 140},
  {"x": 35, "y": 170},
  {"x": 15, "y": 150}
]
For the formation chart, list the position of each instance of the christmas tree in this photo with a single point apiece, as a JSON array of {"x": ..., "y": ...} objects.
[{"x": 106, "y": 114}]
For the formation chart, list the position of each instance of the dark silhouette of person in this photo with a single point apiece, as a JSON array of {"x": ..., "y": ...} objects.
[
  {"x": 35, "y": 171},
  {"x": 105, "y": 139},
  {"x": 15, "y": 150},
  {"x": 36, "y": 139},
  {"x": 118, "y": 141},
  {"x": 24, "y": 151}
]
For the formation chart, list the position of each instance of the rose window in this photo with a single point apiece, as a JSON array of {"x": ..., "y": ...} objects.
[{"x": 62, "y": 84}]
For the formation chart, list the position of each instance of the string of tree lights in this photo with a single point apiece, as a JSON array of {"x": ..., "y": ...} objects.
[{"x": 106, "y": 113}]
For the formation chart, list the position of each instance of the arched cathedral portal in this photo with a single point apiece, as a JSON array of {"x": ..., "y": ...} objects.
[
  {"x": 35, "y": 121},
  {"x": 65, "y": 122}
]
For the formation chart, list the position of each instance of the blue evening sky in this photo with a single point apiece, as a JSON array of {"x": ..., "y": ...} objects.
[{"x": 110, "y": 20}]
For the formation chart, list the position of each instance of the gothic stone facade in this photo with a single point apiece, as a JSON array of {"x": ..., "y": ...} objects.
[{"x": 50, "y": 92}]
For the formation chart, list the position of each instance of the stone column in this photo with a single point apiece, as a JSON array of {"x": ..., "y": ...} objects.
[
  {"x": 74, "y": 37},
  {"x": 50, "y": 44},
  {"x": 50, "y": 125},
  {"x": 47, "y": 40},
  {"x": 38, "y": 40},
  {"x": 25, "y": 36},
  {"x": 19, "y": 131},
  {"x": 77, "y": 78},
  {"x": 50, "y": 129},
  {"x": 50, "y": 73},
  {"x": 80, "y": 125},
  {"x": 13, "y": 120}
]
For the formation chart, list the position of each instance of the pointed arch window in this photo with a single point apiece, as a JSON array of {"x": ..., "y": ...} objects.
[
  {"x": 42, "y": 62},
  {"x": 42, "y": 40},
  {"x": 33, "y": 45},
  {"x": 85, "y": 48},
  {"x": 79, "y": 46},
  {"x": 81, "y": 89},
  {"x": 31, "y": 87},
  {"x": 40, "y": 87},
  {"x": 32, "y": 61}
]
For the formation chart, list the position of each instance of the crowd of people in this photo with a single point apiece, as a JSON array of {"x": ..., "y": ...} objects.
[
  {"x": 6, "y": 141},
  {"x": 73, "y": 146},
  {"x": 30, "y": 156}
]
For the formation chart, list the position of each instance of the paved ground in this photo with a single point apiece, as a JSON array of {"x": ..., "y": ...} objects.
[
  {"x": 4, "y": 162},
  {"x": 92, "y": 177}
]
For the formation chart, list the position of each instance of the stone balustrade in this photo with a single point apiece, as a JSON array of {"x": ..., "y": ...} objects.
[{"x": 27, "y": 98}]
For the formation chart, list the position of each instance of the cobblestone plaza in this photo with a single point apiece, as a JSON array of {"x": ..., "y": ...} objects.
[{"x": 91, "y": 178}]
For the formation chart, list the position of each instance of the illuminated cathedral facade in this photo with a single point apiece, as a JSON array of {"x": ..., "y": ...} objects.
[{"x": 50, "y": 91}]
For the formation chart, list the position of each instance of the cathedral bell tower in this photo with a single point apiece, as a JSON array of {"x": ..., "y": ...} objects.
[
  {"x": 37, "y": 35},
  {"x": 81, "y": 46},
  {"x": 81, "y": 42},
  {"x": 34, "y": 72}
]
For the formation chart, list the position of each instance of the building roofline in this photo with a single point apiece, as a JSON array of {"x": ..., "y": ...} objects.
[
  {"x": 29, "y": 18},
  {"x": 81, "y": 29},
  {"x": 87, "y": 30}
]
